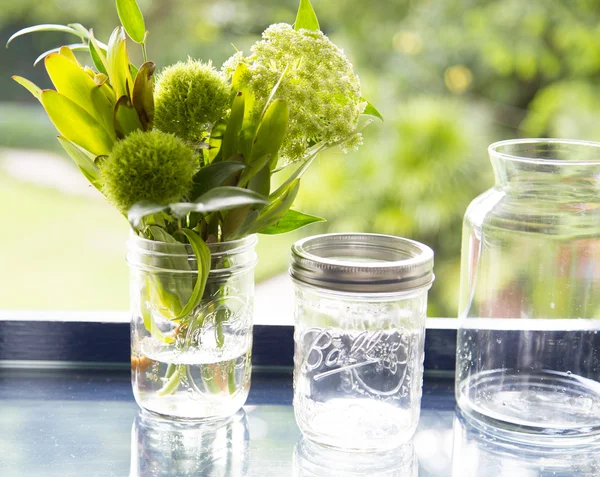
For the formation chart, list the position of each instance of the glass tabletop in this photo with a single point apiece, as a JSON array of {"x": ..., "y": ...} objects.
[{"x": 86, "y": 423}]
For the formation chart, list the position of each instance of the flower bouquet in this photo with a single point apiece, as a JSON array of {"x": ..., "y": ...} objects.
[{"x": 189, "y": 157}]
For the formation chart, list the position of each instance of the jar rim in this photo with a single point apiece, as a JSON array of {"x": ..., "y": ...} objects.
[
  {"x": 494, "y": 150},
  {"x": 216, "y": 248},
  {"x": 146, "y": 254},
  {"x": 362, "y": 263}
]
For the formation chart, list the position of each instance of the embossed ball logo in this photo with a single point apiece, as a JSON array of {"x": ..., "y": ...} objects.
[{"x": 373, "y": 362}]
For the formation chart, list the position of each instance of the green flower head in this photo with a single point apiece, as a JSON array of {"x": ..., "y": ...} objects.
[
  {"x": 148, "y": 166},
  {"x": 320, "y": 86},
  {"x": 190, "y": 98}
]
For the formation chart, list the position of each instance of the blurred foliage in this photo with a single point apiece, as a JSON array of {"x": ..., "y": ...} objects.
[{"x": 449, "y": 77}]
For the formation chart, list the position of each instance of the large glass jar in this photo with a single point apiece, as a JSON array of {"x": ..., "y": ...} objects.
[
  {"x": 528, "y": 352},
  {"x": 198, "y": 365},
  {"x": 360, "y": 305}
]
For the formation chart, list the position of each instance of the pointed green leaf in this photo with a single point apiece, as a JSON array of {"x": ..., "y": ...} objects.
[
  {"x": 271, "y": 214},
  {"x": 213, "y": 175},
  {"x": 68, "y": 53},
  {"x": 220, "y": 199},
  {"x": 133, "y": 70},
  {"x": 73, "y": 82},
  {"x": 45, "y": 27},
  {"x": 132, "y": 19},
  {"x": 84, "y": 161},
  {"x": 143, "y": 96},
  {"x": 125, "y": 118},
  {"x": 306, "y": 17},
  {"x": 76, "y": 124},
  {"x": 249, "y": 124},
  {"x": 297, "y": 174},
  {"x": 83, "y": 31},
  {"x": 261, "y": 181},
  {"x": 29, "y": 86},
  {"x": 253, "y": 170},
  {"x": 142, "y": 209},
  {"x": 292, "y": 220},
  {"x": 118, "y": 63},
  {"x": 98, "y": 56},
  {"x": 234, "y": 126},
  {"x": 371, "y": 110},
  {"x": 202, "y": 253},
  {"x": 73, "y": 47},
  {"x": 270, "y": 132}
]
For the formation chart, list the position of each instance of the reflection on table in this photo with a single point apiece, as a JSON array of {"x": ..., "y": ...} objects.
[
  {"x": 172, "y": 448},
  {"x": 313, "y": 460},
  {"x": 480, "y": 451}
]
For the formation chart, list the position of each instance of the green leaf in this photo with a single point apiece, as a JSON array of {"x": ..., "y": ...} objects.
[
  {"x": 73, "y": 82},
  {"x": 234, "y": 126},
  {"x": 256, "y": 167},
  {"x": 142, "y": 209},
  {"x": 271, "y": 214},
  {"x": 270, "y": 132},
  {"x": 170, "y": 386},
  {"x": 220, "y": 199},
  {"x": 118, "y": 63},
  {"x": 68, "y": 53},
  {"x": 215, "y": 141},
  {"x": 249, "y": 124},
  {"x": 45, "y": 27},
  {"x": 29, "y": 86},
  {"x": 98, "y": 57},
  {"x": 76, "y": 124},
  {"x": 261, "y": 181},
  {"x": 132, "y": 19},
  {"x": 83, "y": 31},
  {"x": 84, "y": 161},
  {"x": 73, "y": 47},
  {"x": 202, "y": 253},
  {"x": 133, "y": 70},
  {"x": 126, "y": 118},
  {"x": 306, "y": 17},
  {"x": 371, "y": 110},
  {"x": 292, "y": 220},
  {"x": 143, "y": 96},
  {"x": 213, "y": 175}
]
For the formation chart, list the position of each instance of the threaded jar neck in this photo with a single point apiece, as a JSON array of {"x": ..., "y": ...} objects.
[
  {"x": 226, "y": 257},
  {"x": 555, "y": 165}
]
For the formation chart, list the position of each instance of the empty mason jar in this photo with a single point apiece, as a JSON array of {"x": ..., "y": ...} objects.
[
  {"x": 195, "y": 365},
  {"x": 528, "y": 351},
  {"x": 360, "y": 305}
]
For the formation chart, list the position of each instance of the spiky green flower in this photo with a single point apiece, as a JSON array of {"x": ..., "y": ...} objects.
[
  {"x": 148, "y": 166},
  {"x": 190, "y": 98},
  {"x": 320, "y": 86}
]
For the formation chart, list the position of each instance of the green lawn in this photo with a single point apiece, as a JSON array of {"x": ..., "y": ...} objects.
[{"x": 67, "y": 252}]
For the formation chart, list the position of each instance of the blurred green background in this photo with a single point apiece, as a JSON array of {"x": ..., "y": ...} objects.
[{"x": 449, "y": 76}]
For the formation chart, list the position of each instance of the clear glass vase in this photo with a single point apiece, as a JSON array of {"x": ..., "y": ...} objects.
[
  {"x": 360, "y": 305},
  {"x": 195, "y": 366},
  {"x": 528, "y": 351}
]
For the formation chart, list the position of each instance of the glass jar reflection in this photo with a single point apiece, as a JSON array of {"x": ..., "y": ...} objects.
[
  {"x": 314, "y": 460},
  {"x": 480, "y": 451},
  {"x": 168, "y": 448}
]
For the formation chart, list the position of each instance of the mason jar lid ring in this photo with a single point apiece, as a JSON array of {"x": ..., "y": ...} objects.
[{"x": 362, "y": 263}]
